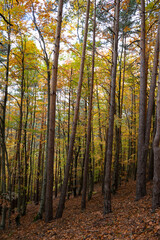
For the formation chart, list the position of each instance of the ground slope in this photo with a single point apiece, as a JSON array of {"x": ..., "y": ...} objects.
[{"x": 129, "y": 219}]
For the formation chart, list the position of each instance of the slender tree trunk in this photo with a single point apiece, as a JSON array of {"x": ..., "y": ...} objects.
[
  {"x": 156, "y": 148},
  {"x": 39, "y": 160},
  {"x": 151, "y": 153},
  {"x": 82, "y": 169},
  {"x": 18, "y": 154},
  {"x": 87, "y": 154},
  {"x": 3, "y": 127},
  {"x": 141, "y": 167},
  {"x": 46, "y": 58},
  {"x": 24, "y": 203},
  {"x": 75, "y": 119},
  {"x": 43, "y": 191},
  {"x": 117, "y": 161},
  {"x": 99, "y": 122},
  {"x": 51, "y": 141},
  {"x": 107, "y": 180},
  {"x": 151, "y": 98},
  {"x": 75, "y": 168},
  {"x": 31, "y": 147}
]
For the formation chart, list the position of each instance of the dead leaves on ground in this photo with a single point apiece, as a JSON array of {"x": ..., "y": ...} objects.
[{"x": 129, "y": 220}]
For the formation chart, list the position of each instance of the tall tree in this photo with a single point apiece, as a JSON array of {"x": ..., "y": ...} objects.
[
  {"x": 141, "y": 164},
  {"x": 3, "y": 122},
  {"x": 151, "y": 97},
  {"x": 156, "y": 148},
  {"x": 87, "y": 153},
  {"x": 75, "y": 119},
  {"x": 107, "y": 180},
  {"x": 51, "y": 140},
  {"x": 47, "y": 62}
]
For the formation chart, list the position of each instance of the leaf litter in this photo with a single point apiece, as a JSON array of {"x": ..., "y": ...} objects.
[{"x": 129, "y": 220}]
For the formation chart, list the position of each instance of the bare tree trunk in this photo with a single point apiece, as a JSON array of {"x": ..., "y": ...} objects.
[
  {"x": 46, "y": 59},
  {"x": 156, "y": 148},
  {"x": 107, "y": 180},
  {"x": 39, "y": 160},
  {"x": 51, "y": 140},
  {"x": 18, "y": 156},
  {"x": 87, "y": 154},
  {"x": 3, "y": 128},
  {"x": 151, "y": 97},
  {"x": 75, "y": 167},
  {"x": 75, "y": 119},
  {"x": 24, "y": 203},
  {"x": 43, "y": 191},
  {"x": 118, "y": 152},
  {"x": 141, "y": 167},
  {"x": 31, "y": 146}
]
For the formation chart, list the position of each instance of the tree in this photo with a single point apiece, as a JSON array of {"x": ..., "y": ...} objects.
[
  {"x": 107, "y": 180},
  {"x": 89, "y": 124},
  {"x": 52, "y": 111},
  {"x": 141, "y": 164},
  {"x": 3, "y": 122},
  {"x": 156, "y": 148},
  {"x": 75, "y": 119}
]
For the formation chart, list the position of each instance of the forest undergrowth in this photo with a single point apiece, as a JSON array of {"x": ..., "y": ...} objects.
[{"x": 130, "y": 219}]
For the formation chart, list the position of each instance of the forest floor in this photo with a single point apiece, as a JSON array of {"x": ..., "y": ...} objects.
[{"x": 129, "y": 220}]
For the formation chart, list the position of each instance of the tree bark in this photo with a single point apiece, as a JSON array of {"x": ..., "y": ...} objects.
[
  {"x": 156, "y": 148},
  {"x": 107, "y": 180},
  {"x": 3, "y": 127},
  {"x": 87, "y": 154},
  {"x": 75, "y": 119},
  {"x": 151, "y": 97},
  {"x": 51, "y": 140},
  {"x": 39, "y": 159},
  {"x": 141, "y": 164}
]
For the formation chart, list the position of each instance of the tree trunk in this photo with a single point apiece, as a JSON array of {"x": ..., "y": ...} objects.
[
  {"x": 24, "y": 203},
  {"x": 141, "y": 167},
  {"x": 3, "y": 127},
  {"x": 43, "y": 191},
  {"x": 75, "y": 168},
  {"x": 75, "y": 119},
  {"x": 151, "y": 97},
  {"x": 107, "y": 180},
  {"x": 87, "y": 154},
  {"x": 39, "y": 160},
  {"x": 51, "y": 140},
  {"x": 156, "y": 148}
]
